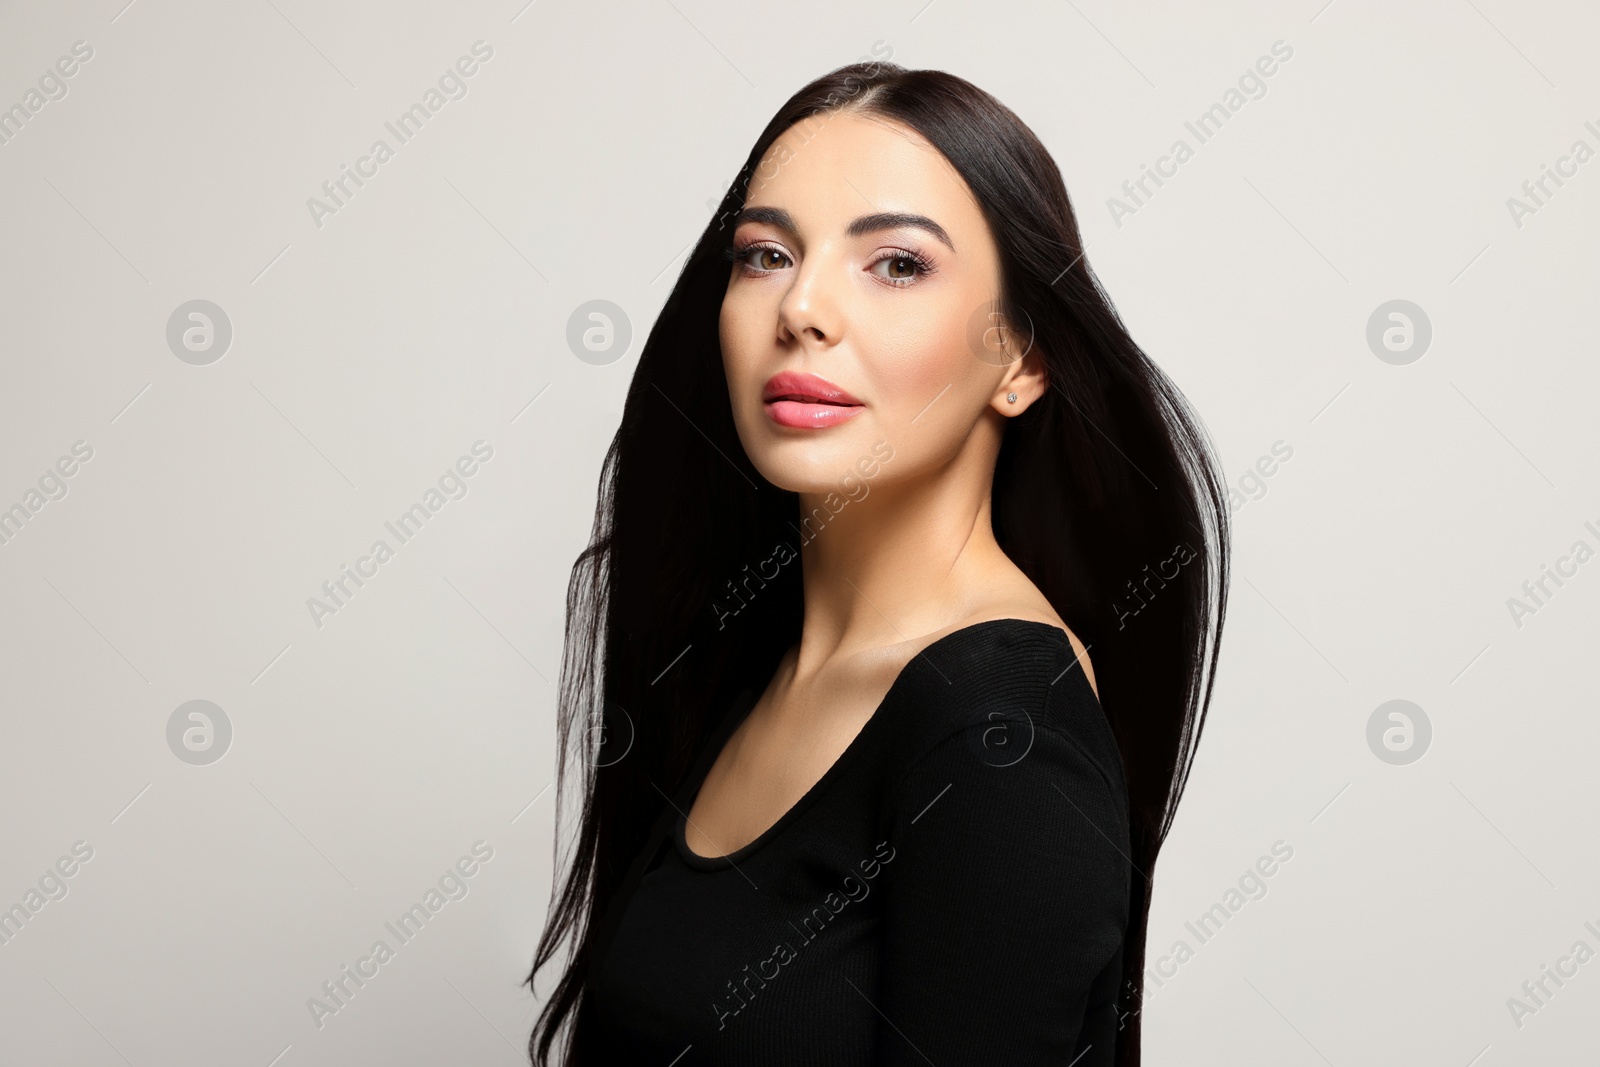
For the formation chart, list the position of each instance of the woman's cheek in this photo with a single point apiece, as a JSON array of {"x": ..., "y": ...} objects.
[
  {"x": 735, "y": 353},
  {"x": 917, "y": 363}
]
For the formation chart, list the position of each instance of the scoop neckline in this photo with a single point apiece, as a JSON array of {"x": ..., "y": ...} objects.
[{"x": 698, "y": 862}]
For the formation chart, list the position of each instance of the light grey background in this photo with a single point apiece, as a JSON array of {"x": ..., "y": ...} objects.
[{"x": 370, "y": 752}]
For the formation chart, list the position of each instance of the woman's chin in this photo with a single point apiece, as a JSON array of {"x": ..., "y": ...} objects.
[{"x": 809, "y": 468}]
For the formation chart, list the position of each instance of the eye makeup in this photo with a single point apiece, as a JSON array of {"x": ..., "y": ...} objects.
[{"x": 741, "y": 253}]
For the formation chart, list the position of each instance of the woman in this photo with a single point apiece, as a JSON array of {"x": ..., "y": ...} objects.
[{"x": 889, "y": 468}]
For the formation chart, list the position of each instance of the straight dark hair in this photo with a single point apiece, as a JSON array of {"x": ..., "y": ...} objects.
[{"x": 1106, "y": 494}]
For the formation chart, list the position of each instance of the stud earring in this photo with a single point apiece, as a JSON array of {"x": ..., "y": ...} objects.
[{"x": 1011, "y": 398}]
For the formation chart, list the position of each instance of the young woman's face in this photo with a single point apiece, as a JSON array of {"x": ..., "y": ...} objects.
[{"x": 864, "y": 261}]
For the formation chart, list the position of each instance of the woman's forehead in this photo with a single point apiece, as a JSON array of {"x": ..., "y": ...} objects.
[{"x": 844, "y": 164}]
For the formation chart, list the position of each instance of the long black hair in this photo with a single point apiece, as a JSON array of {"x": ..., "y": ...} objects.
[{"x": 1106, "y": 494}]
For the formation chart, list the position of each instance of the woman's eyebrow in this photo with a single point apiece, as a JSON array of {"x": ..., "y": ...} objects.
[
  {"x": 894, "y": 220},
  {"x": 882, "y": 220}
]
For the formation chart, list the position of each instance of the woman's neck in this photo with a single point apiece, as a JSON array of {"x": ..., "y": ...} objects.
[{"x": 886, "y": 567}]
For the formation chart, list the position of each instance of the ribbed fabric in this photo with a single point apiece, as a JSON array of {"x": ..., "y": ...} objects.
[{"x": 955, "y": 889}]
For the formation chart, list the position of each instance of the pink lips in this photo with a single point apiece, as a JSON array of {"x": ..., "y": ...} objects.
[{"x": 806, "y": 401}]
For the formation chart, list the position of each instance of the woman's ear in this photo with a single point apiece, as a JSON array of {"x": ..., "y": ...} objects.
[{"x": 1027, "y": 380}]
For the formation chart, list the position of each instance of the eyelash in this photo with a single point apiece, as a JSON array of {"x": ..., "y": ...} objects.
[{"x": 740, "y": 254}]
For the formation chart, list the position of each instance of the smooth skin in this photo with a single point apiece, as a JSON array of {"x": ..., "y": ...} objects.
[{"x": 915, "y": 558}]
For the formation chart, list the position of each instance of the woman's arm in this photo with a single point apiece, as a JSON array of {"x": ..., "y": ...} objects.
[{"x": 1006, "y": 899}]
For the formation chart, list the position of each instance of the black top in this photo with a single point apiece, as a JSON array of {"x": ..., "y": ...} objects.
[{"x": 955, "y": 889}]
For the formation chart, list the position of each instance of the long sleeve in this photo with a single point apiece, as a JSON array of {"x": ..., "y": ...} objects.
[{"x": 1005, "y": 904}]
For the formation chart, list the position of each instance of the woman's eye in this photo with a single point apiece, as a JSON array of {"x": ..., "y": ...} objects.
[
  {"x": 897, "y": 268},
  {"x": 900, "y": 268},
  {"x": 762, "y": 258}
]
